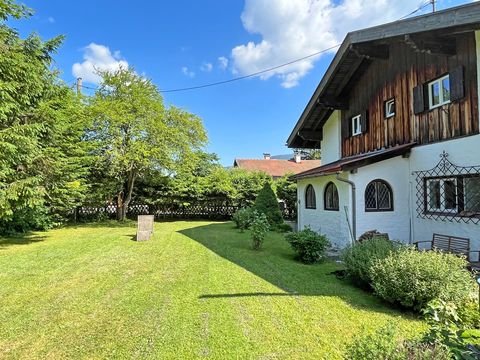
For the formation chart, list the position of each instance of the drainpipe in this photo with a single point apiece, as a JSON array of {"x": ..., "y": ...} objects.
[{"x": 354, "y": 205}]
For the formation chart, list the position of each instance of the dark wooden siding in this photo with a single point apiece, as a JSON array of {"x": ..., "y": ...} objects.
[{"x": 397, "y": 77}]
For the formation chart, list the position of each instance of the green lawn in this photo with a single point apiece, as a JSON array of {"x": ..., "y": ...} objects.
[{"x": 196, "y": 290}]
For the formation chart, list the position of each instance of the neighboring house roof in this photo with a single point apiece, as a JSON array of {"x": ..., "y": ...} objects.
[
  {"x": 355, "y": 162},
  {"x": 352, "y": 58},
  {"x": 276, "y": 168}
]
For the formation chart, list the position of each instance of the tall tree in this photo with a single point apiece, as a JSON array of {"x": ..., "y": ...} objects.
[
  {"x": 136, "y": 133},
  {"x": 40, "y": 166}
]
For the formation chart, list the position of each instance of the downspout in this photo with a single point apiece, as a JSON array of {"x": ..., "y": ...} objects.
[{"x": 354, "y": 205}]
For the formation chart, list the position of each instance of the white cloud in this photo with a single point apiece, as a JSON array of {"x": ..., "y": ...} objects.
[
  {"x": 206, "y": 67},
  {"x": 51, "y": 19},
  {"x": 292, "y": 29},
  {"x": 97, "y": 57},
  {"x": 187, "y": 72},
  {"x": 222, "y": 62}
]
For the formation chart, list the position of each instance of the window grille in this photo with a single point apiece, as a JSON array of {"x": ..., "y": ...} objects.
[
  {"x": 449, "y": 192},
  {"x": 310, "y": 200},
  {"x": 331, "y": 197},
  {"x": 378, "y": 196}
]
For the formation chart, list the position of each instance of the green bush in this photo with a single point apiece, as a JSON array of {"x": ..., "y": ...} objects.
[
  {"x": 358, "y": 258},
  {"x": 266, "y": 202},
  {"x": 385, "y": 344},
  {"x": 414, "y": 278},
  {"x": 243, "y": 218},
  {"x": 283, "y": 228},
  {"x": 259, "y": 228},
  {"x": 309, "y": 246}
]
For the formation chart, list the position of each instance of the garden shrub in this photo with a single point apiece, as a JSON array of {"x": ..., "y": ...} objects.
[
  {"x": 283, "y": 228},
  {"x": 309, "y": 245},
  {"x": 386, "y": 344},
  {"x": 359, "y": 257},
  {"x": 243, "y": 218},
  {"x": 414, "y": 278},
  {"x": 259, "y": 228},
  {"x": 266, "y": 202}
]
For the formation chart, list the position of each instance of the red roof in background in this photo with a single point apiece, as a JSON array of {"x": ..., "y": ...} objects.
[{"x": 276, "y": 167}]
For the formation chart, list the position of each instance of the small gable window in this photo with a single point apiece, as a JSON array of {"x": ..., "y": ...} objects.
[
  {"x": 439, "y": 92},
  {"x": 378, "y": 196},
  {"x": 331, "y": 197},
  {"x": 389, "y": 108},
  {"x": 310, "y": 201},
  {"x": 356, "y": 125}
]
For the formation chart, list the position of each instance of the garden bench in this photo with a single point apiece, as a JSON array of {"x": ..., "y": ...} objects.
[{"x": 452, "y": 244}]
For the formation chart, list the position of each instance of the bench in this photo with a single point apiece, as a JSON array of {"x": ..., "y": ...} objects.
[{"x": 452, "y": 244}]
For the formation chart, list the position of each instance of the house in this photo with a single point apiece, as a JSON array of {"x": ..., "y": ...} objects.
[
  {"x": 277, "y": 168},
  {"x": 396, "y": 116}
]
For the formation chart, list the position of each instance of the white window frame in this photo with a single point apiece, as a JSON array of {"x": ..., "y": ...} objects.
[
  {"x": 442, "y": 208},
  {"x": 388, "y": 108},
  {"x": 357, "y": 125},
  {"x": 442, "y": 101}
]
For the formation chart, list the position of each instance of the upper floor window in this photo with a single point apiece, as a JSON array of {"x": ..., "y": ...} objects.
[
  {"x": 439, "y": 92},
  {"x": 356, "y": 125},
  {"x": 331, "y": 197},
  {"x": 389, "y": 108},
  {"x": 310, "y": 200},
  {"x": 378, "y": 196}
]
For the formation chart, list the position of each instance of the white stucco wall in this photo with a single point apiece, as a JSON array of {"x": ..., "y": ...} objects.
[
  {"x": 477, "y": 44},
  {"x": 396, "y": 223},
  {"x": 331, "y": 223},
  {"x": 462, "y": 152},
  {"x": 330, "y": 145}
]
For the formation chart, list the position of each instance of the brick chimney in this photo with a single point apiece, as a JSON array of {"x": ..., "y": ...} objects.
[{"x": 266, "y": 156}]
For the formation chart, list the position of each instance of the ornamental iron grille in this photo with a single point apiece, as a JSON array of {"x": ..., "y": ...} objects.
[
  {"x": 378, "y": 196},
  {"x": 449, "y": 192},
  {"x": 331, "y": 197}
]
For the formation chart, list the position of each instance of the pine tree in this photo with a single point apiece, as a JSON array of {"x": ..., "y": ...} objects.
[{"x": 266, "y": 202}]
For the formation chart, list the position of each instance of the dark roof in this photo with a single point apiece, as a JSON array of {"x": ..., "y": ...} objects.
[
  {"x": 353, "y": 57},
  {"x": 276, "y": 168},
  {"x": 355, "y": 162}
]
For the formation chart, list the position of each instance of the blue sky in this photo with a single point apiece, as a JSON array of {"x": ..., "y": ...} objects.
[{"x": 186, "y": 43}]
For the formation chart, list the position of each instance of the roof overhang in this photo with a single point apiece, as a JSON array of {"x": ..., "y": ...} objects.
[
  {"x": 359, "y": 49},
  {"x": 355, "y": 162}
]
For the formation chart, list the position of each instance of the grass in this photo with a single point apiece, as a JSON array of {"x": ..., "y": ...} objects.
[{"x": 195, "y": 290}]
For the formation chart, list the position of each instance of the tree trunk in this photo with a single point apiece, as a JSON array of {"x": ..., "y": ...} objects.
[{"x": 120, "y": 204}]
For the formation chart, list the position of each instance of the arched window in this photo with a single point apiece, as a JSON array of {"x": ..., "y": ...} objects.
[
  {"x": 331, "y": 197},
  {"x": 378, "y": 196},
  {"x": 310, "y": 201}
]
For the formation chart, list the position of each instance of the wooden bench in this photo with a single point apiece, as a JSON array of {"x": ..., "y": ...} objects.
[{"x": 452, "y": 244}]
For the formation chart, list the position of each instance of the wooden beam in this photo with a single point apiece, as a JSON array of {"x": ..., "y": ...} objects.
[
  {"x": 310, "y": 135},
  {"x": 329, "y": 102},
  {"x": 381, "y": 52},
  {"x": 434, "y": 46}
]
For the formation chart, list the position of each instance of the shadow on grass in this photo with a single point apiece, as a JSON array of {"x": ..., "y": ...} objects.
[
  {"x": 275, "y": 263},
  {"x": 21, "y": 239}
]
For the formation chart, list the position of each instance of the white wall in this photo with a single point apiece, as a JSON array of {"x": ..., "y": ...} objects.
[
  {"x": 330, "y": 145},
  {"x": 477, "y": 44},
  {"x": 462, "y": 152},
  {"x": 396, "y": 223},
  {"x": 331, "y": 223}
]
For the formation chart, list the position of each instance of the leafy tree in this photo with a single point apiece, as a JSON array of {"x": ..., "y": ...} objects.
[
  {"x": 248, "y": 185},
  {"x": 287, "y": 191},
  {"x": 136, "y": 134},
  {"x": 42, "y": 162},
  {"x": 266, "y": 203}
]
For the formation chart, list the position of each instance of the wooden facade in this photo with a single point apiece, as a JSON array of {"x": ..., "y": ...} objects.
[{"x": 396, "y": 77}]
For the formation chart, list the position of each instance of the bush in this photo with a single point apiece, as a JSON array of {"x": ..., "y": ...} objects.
[
  {"x": 243, "y": 218},
  {"x": 259, "y": 228},
  {"x": 309, "y": 246},
  {"x": 385, "y": 344},
  {"x": 266, "y": 202},
  {"x": 414, "y": 278},
  {"x": 358, "y": 258},
  {"x": 283, "y": 228}
]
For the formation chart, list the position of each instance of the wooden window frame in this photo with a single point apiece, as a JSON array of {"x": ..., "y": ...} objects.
[
  {"x": 326, "y": 206},
  {"x": 377, "y": 209},
  {"x": 442, "y": 101},
  {"x": 388, "y": 114},
  {"x": 356, "y": 119},
  {"x": 307, "y": 200}
]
